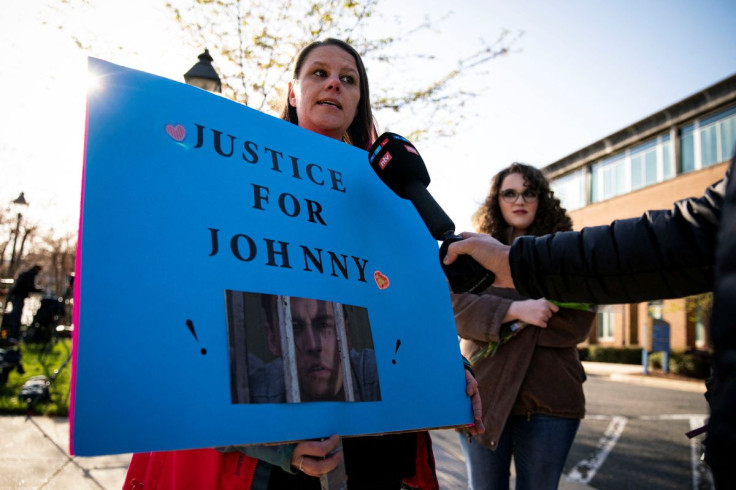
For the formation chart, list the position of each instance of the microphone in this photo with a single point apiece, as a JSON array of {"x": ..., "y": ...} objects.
[{"x": 398, "y": 164}]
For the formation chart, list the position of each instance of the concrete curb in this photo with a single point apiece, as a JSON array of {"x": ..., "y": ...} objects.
[
  {"x": 670, "y": 384},
  {"x": 634, "y": 374}
]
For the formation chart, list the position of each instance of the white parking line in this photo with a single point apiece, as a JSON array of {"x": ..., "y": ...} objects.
[
  {"x": 672, "y": 416},
  {"x": 702, "y": 477},
  {"x": 586, "y": 469}
]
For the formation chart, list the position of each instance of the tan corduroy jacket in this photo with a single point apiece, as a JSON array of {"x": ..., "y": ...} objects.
[{"x": 537, "y": 371}]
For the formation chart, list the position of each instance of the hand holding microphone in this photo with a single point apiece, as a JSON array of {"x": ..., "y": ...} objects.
[
  {"x": 488, "y": 252},
  {"x": 398, "y": 164}
]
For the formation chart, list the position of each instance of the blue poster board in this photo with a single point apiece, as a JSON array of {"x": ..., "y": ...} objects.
[{"x": 187, "y": 196}]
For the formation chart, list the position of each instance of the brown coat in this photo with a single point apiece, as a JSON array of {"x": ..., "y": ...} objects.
[{"x": 536, "y": 372}]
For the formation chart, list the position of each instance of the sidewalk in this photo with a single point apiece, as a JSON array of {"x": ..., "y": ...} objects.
[
  {"x": 34, "y": 452},
  {"x": 634, "y": 374}
]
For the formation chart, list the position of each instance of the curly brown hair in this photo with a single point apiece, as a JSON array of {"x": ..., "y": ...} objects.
[{"x": 550, "y": 218}]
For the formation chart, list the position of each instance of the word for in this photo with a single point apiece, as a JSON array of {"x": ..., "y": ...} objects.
[
  {"x": 288, "y": 204},
  {"x": 280, "y": 254}
]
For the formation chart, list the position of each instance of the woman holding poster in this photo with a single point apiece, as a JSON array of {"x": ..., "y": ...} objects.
[
  {"x": 522, "y": 350},
  {"x": 328, "y": 95}
]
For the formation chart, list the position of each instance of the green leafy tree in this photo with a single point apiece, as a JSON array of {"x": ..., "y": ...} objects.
[{"x": 258, "y": 40}]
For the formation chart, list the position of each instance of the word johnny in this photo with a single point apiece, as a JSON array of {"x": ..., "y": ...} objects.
[{"x": 278, "y": 253}]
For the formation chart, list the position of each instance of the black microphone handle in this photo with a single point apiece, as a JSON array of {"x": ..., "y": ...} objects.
[
  {"x": 439, "y": 224},
  {"x": 465, "y": 274}
]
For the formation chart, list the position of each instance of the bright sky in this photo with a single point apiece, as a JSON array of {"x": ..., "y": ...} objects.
[{"x": 586, "y": 68}]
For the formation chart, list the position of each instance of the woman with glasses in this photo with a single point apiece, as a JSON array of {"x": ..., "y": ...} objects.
[{"x": 523, "y": 350}]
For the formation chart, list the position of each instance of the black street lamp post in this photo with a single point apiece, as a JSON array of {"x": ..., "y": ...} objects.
[
  {"x": 19, "y": 201},
  {"x": 203, "y": 74}
]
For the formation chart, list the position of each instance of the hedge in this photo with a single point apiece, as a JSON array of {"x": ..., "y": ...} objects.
[{"x": 695, "y": 364}]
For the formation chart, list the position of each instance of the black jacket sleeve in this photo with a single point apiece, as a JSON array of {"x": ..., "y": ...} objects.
[
  {"x": 662, "y": 254},
  {"x": 721, "y": 439}
]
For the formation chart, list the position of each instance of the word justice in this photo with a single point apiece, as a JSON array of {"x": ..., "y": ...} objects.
[
  {"x": 280, "y": 254},
  {"x": 225, "y": 146}
]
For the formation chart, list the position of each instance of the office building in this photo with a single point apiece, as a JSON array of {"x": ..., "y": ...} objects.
[{"x": 670, "y": 155}]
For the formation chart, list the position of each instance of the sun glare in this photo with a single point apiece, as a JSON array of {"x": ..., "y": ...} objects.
[{"x": 94, "y": 82}]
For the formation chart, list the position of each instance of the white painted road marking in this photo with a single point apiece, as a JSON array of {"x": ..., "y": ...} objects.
[
  {"x": 702, "y": 477},
  {"x": 585, "y": 470}
]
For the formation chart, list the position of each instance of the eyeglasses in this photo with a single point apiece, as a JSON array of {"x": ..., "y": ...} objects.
[{"x": 510, "y": 195}]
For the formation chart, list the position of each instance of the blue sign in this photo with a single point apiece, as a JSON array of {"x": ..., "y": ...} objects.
[
  {"x": 660, "y": 336},
  {"x": 195, "y": 207}
]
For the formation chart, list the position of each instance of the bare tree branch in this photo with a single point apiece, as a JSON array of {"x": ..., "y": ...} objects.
[{"x": 258, "y": 46}]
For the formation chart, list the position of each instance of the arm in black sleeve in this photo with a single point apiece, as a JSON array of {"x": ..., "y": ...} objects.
[
  {"x": 721, "y": 440},
  {"x": 662, "y": 254}
]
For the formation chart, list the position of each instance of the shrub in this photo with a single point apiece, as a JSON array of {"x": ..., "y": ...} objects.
[
  {"x": 692, "y": 363},
  {"x": 695, "y": 364},
  {"x": 620, "y": 355}
]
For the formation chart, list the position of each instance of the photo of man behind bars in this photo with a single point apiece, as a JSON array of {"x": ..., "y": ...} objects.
[{"x": 286, "y": 349}]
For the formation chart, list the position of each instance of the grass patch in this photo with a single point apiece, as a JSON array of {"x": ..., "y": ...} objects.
[{"x": 40, "y": 359}]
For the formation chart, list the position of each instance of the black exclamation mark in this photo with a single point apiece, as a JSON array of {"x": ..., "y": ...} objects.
[
  {"x": 398, "y": 343},
  {"x": 190, "y": 324}
]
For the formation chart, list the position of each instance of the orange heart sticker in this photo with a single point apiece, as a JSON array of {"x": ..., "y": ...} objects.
[{"x": 381, "y": 281}]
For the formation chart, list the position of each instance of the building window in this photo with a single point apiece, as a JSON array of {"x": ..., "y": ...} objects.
[
  {"x": 687, "y": 148},
  {"x": 634, "y": 168},
  {"x": 644, "y": 165},
  {"x": 656, "y": 309},
  {"x": 699, "y": 332},
  {"x": 609, "y": 178},
  {"x": 570, "y": 190},
  {"x": 728, "y": 136},
  {"x": 709, "y": 146},
  {"x": 708, "y": 141},
  {"x": 668, "y": 163},
  {"x": 704, "y": 142},
  {"x": 605, "y": 325}
]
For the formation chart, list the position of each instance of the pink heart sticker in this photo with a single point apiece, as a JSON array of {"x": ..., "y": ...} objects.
[
  {"x": 176, "y": 132},
  {"x": 381, "y": 280}
]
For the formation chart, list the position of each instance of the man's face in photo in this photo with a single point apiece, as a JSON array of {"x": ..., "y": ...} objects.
[{"x": 317, "y": 355}]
